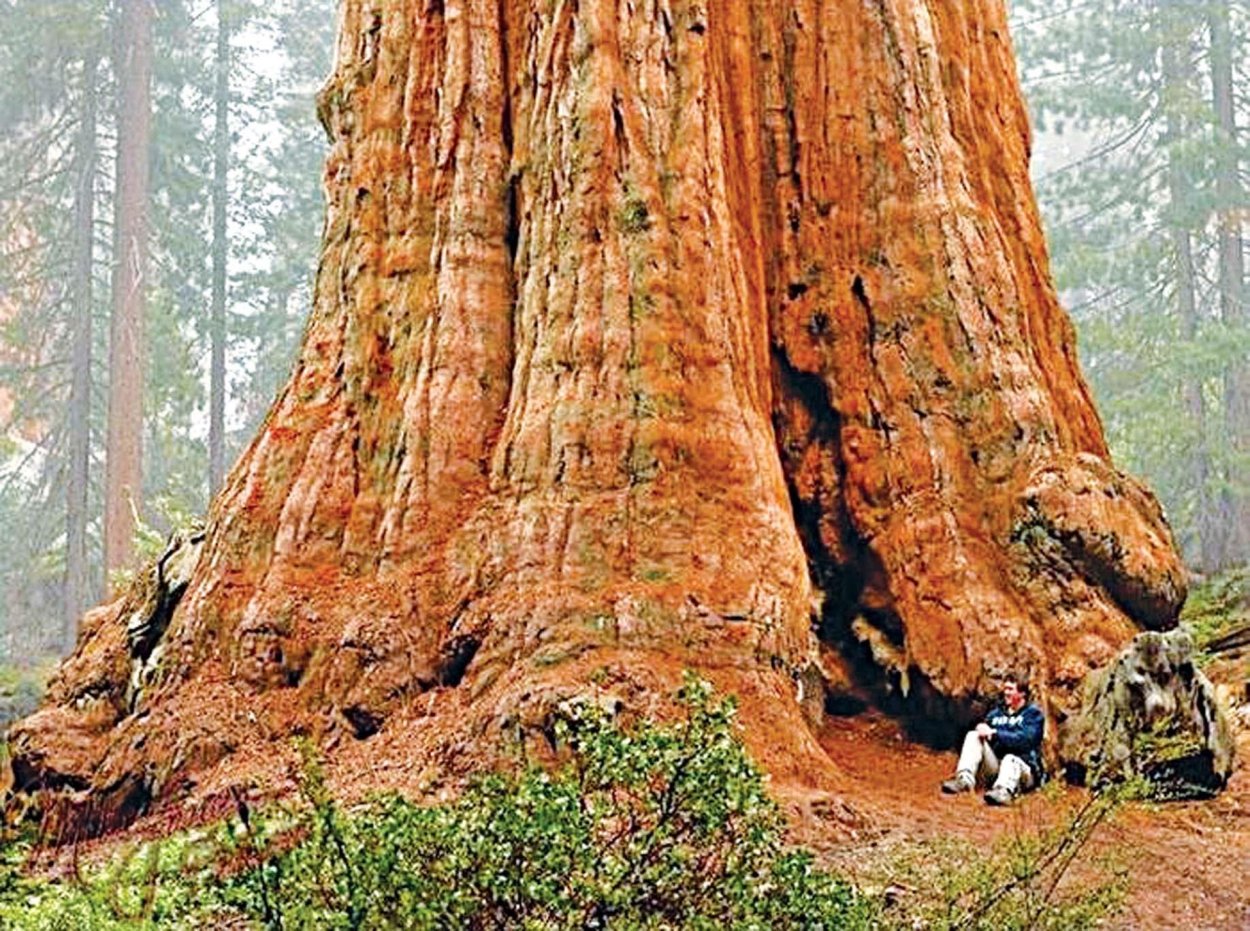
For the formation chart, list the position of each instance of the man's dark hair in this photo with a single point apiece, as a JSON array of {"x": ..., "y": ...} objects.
[{"x": 1022, "y": 683}]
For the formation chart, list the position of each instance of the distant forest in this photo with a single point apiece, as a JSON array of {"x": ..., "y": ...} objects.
[{"x": 233, "y": 163}]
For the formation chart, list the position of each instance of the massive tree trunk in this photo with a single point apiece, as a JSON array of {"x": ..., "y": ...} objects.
[
  {"x": 647, "y": 335},
  {"x": 124, "y": 465}
]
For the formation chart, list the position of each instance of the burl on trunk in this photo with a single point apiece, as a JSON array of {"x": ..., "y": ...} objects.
[{"x": 649, "y": 334}]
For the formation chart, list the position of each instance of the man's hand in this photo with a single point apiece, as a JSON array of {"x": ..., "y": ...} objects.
[{"x": 984, "y": 731}]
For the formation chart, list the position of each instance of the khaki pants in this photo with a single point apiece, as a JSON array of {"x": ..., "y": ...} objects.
[{"x": 977, "y": 760}]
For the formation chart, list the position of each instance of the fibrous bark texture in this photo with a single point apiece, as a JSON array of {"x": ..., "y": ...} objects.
[{"x": 648, "y": 334}]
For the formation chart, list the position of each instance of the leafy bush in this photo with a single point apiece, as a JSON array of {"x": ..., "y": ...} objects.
[
  {"x": 661, "y": 826},
  {"x": 657, "y": 826},
  {"x": 161, "y": 885}
]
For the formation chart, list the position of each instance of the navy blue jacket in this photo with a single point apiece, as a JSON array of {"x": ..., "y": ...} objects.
[{"x": 1019, "y": 733}]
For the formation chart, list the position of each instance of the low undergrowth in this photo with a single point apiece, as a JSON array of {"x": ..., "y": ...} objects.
[
  {"x": 1045, "y": 878},
  {"x": 654, "y": 826},
  {"x": 1216, "y": 607},
  {"x": 21, "y": 688}
]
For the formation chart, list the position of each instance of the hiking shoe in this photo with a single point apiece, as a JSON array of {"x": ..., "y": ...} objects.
[
  {"x": 960, "y": 783},
  {"x": 998, "y": 796}
]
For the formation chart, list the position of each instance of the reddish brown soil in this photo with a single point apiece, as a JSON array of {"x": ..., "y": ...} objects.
[{"x": 1187, "y": 861}]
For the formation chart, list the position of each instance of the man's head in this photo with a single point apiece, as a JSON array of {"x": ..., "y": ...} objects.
[{"x": 1015, "y": 692}]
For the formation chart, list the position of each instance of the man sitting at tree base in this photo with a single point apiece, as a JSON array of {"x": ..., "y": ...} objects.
[{"x": 1005, "y": 748}]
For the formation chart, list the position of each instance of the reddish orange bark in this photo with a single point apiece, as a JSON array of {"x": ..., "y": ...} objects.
[{"x": 650, "y": 335}]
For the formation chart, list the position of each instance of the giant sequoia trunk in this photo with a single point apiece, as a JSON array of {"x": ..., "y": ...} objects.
[{"x": 648, "y": 335}]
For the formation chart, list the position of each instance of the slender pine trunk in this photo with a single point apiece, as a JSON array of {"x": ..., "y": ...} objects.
[
  {"x": 1211, "y": 534},
  {"x": 221, "y": 162},
  {"x": 124, "y": 480},
  {"x": 77, "y": 583},
  {"x": 1230, "y": 204}
]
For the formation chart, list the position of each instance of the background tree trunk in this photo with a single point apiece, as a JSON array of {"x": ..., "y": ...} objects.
[
  {"x": 647, "y": 335},
  {"x": 1235, "y": 510},
  {"x": 1213, "y": 533},
  {"x": 77, "y": 582},
  {"x": 217, "y": 327},
  {"x": 124, "y": 479}
]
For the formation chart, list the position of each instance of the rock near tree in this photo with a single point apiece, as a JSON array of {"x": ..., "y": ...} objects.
[{"x": 648, "y": 335}]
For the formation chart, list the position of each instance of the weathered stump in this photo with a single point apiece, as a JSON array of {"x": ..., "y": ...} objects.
[{"x": 1151, "y": 714}]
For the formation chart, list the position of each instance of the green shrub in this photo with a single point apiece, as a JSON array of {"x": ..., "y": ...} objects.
[
  {"x": 658, "y": 826},
  {"x": 161, "y": 885}
]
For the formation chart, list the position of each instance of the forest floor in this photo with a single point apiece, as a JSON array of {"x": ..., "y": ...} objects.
[
  {"x": 1186, "y": 861},
  {"x": 880, "y": 804}
]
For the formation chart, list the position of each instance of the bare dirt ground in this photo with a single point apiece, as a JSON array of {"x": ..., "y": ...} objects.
[{"x": 1188, "y": 862}]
